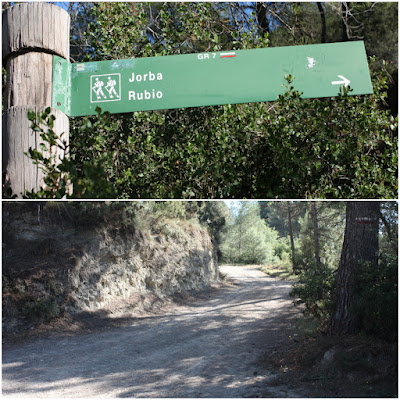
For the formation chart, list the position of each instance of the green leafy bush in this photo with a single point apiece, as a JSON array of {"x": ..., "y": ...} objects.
[
  {"x": 41, "y": 309},
  {"x": 83, "y": 168},
  {"x": 376, "y": 294},
  {"x": 315, "y": 290},
  {"x": 342, "y": 147},
  {"x": 330, "y": 148}
]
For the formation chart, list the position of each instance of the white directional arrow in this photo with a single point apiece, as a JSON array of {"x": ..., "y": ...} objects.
[{"x": 344, "y": 81}]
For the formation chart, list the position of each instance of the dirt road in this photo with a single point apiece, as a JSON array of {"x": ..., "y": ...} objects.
[{"x": 209, "y": 348}]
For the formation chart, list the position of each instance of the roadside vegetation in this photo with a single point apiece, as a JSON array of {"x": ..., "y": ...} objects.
[
  {"x": 280, "y": 271},
  {"x": 44, "y": 242},
  {"x": 329, "y": 354}
]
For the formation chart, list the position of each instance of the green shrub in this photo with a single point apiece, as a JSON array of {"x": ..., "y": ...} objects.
[
  {"x": 314, "y": 290},
  {"x": 376, "y": 294},
  {"x": 342, "y": 147},
  {"x": 40, "y": 309}
]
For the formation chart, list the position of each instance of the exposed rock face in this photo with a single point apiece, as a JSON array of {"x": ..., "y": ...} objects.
[
  {"x": 119, "y": 266},
  {"x": 51, "y": 266}
]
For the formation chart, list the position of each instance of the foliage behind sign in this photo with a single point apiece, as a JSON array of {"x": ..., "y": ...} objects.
[{"x": 342, "y": 147}]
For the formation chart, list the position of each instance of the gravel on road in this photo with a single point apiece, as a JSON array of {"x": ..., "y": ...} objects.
[{"x": 211, "y": 347}]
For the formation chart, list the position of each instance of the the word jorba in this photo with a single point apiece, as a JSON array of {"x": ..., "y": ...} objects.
[{"x": 146, "y": 77}]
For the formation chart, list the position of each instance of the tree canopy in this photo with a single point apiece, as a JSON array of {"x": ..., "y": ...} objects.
[{"x": 345, "y": 255}]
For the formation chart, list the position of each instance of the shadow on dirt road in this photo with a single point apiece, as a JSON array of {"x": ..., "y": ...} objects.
[{"x": 209, "y": 348}]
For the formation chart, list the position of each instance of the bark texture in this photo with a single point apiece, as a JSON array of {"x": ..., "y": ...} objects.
[
  {"x": 289, "y": 210},
  {"x": 314, "y": 216},
  {"x": 360, "y": 247},
  {"x": 261, "y": 14},
  {"x": 32, "y": 33}
]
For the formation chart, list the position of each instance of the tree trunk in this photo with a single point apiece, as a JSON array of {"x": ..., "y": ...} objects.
[
  {"x": 289, "y": 209},
  {"x": 345, "y": 21},
  {"x": 240, "y": 240},
  {"x": 261, "y": 15},
  {"x": 360, "y": 246},
  {"x": 323, "y": 22},
  {"x": 314, "y": 217}
]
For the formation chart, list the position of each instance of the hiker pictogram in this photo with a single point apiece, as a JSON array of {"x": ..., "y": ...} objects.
[
  {"x": 111, "y": 87},
  {"x": 105, "y": 88}
]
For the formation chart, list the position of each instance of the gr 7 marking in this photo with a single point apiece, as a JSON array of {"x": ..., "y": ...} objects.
[{"x": 203, "y": 79}]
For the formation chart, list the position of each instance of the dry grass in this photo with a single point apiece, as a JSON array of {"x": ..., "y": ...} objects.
[{"x": 283, "y": 272}]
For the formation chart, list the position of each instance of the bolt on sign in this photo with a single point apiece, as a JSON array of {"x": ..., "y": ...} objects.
[{"x": 204, "y": 79}]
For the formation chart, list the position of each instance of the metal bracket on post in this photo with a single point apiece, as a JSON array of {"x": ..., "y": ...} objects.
[{"x": 61, "y": 98}]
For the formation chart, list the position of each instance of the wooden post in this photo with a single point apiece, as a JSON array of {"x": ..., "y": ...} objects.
[{"x": 32, "y": 33}]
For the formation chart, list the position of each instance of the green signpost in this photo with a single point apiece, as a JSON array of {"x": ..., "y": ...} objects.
[{"x": 203, "y": 79}]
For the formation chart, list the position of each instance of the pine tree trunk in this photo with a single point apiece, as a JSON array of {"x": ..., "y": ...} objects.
[
  {"x": 289, "y": 209},
  {"x": 261, "y": 15},
  {"x": 314, "y": 216},
  {"x": 360, "y": 246},
  {"x": 345, "y": 7},
  {"x": 323, "y": 21}
]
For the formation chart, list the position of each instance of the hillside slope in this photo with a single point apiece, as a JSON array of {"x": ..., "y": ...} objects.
[{"x": 63, "y": 257}]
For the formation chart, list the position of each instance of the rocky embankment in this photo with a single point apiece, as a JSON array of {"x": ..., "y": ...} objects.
[{"x": 54, "y": 263}]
